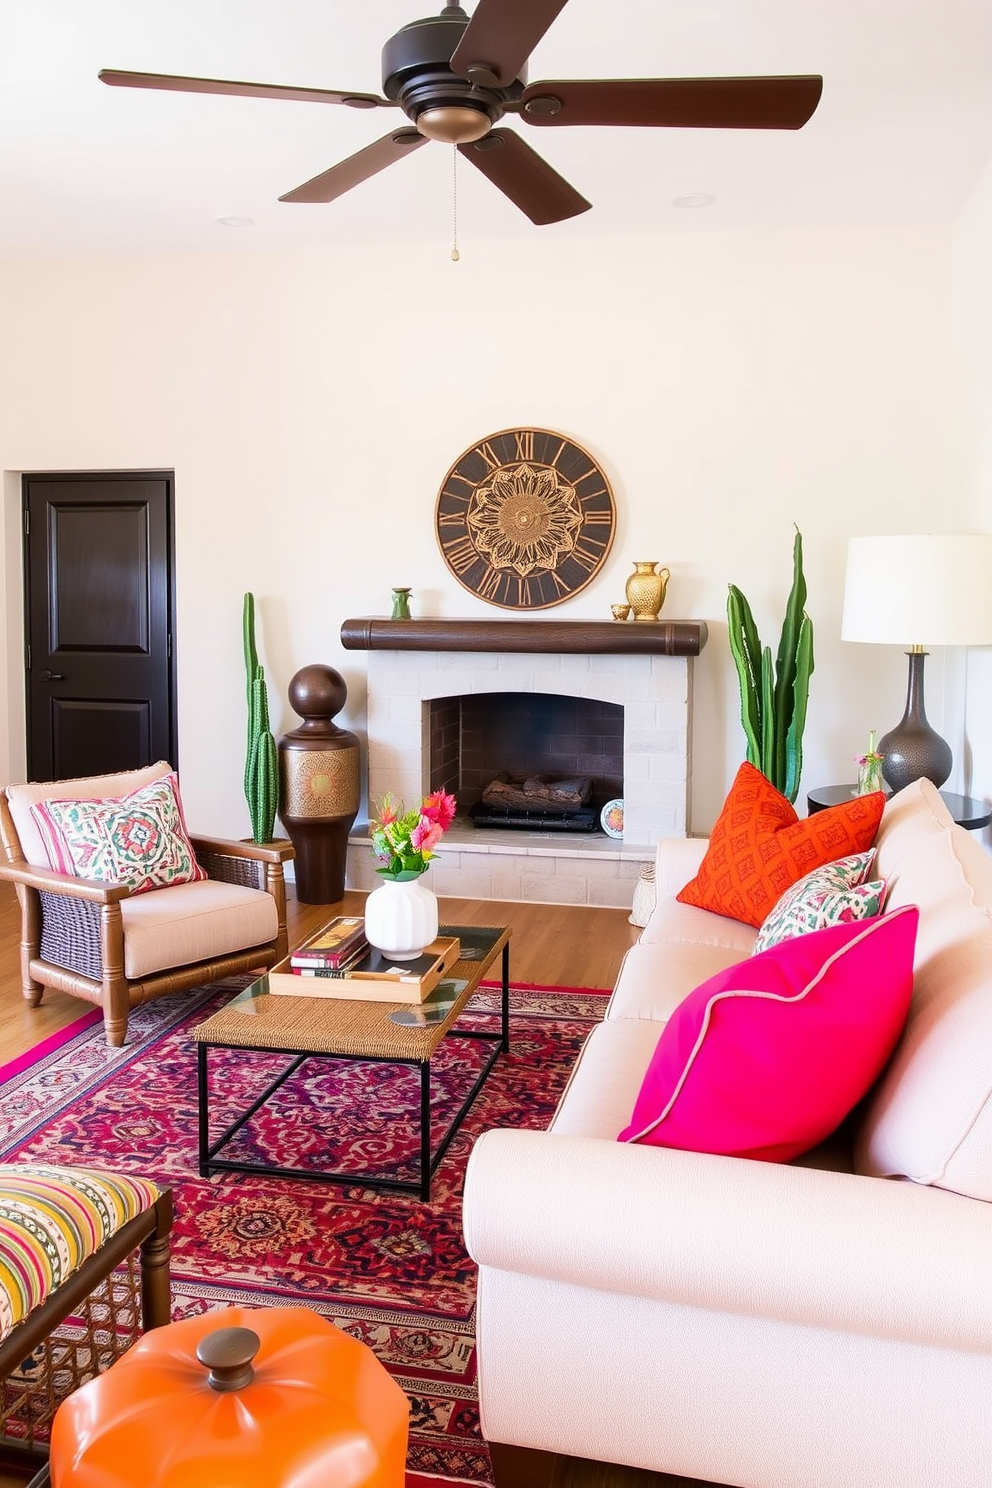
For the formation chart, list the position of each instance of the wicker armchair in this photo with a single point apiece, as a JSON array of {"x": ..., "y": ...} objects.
[{"x": 118, "y": 949}]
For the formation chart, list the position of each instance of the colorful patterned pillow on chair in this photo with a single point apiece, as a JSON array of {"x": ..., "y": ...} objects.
[{"x": 139, "y": 840}]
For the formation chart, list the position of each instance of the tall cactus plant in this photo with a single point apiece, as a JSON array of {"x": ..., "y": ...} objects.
[
  {"x": 773, "y": 699},
  {"x": 261, "y": 762}
]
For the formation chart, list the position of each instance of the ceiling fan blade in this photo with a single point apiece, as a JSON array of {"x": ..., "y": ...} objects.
[
  {"x": 357, "y": 168},
  {"x": 500, "y": 37},
  {"x": 680, "y": 103},
  {"x": 525, "y": 177},
  {"x": 172, "y": 84}
]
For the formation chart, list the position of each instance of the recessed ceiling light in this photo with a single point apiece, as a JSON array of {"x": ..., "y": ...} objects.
[
  {"x": 235, "y": 221},
  {"x": 694, "y": 199}
]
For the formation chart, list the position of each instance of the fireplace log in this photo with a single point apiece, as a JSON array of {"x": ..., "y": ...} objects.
[{"x": 534, "y": 792}]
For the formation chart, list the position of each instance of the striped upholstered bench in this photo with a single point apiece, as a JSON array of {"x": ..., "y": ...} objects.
[{"x": 84, "y": 1268}]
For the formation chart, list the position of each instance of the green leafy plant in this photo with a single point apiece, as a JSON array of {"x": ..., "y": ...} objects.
[
  {"x": 774, "y": 698},
  {"x": 261, "y": 761}
]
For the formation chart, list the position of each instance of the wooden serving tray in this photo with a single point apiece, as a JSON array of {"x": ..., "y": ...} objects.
[{"x": 368, "y": 981}]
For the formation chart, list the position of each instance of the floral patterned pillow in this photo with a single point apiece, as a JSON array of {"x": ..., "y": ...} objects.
[
  {"x": 835, "y": 894},
  {"x": 139, "y": 840}
]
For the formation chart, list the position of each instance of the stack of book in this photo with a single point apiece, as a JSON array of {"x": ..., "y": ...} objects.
[
  {"x": 339, "y": 962},
  {"x": 333, "y": 949}
]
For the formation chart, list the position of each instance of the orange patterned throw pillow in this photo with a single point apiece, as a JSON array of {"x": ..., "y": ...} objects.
[{"x": 759, "y": 847}]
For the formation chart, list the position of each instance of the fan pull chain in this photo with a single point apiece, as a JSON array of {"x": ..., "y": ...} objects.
[{"x": 455, "y": 255}]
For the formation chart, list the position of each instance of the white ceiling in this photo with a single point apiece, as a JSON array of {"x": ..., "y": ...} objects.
[{"x": 903, "y": 130}]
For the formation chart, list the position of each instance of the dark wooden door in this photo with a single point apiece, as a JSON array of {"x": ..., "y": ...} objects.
[{"x": 99, "y": 615}]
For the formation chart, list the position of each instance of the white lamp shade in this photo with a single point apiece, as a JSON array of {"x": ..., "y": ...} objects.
[{"x": 931, "y": 590}]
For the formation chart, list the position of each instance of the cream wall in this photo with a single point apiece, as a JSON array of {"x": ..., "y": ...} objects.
[
  {"x": 972, "y": 344},
  {"x": 311, "y": 403}
]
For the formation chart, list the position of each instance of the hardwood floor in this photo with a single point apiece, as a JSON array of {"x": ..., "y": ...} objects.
[{"x": 559, "y": 945}]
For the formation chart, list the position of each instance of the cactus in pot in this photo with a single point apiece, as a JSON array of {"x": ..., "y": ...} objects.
[
  {"x": 774, "y": 698},
  {"x": 261, "y": 761}
]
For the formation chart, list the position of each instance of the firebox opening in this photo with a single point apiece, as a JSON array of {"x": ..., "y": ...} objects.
[{"x": 480, "y": 737}]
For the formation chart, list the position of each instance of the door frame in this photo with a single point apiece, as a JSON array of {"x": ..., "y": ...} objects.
[
  {"x": 13, "y": 736},
  {"x": 110, "y": 476}
]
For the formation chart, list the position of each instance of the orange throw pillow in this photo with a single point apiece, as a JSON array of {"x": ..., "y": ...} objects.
[{"x": 759, "y": 847}]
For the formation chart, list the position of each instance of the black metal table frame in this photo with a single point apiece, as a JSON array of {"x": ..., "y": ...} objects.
[{"x": 210, "y": 1162}]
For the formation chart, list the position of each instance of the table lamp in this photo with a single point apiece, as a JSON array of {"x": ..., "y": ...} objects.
[{"x": 919, "y": 591}]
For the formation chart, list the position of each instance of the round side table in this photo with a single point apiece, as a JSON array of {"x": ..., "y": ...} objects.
[{"x": 966, "y": 810}]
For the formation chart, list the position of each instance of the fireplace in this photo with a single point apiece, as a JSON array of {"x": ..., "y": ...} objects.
[
  {"x": 475, "y": 739},
  {"x": 621, "y": 694}
]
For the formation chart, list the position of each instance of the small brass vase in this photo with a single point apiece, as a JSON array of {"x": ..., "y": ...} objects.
[{"x": 645, "y": 589}]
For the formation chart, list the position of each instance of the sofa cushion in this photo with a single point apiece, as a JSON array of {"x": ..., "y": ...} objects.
[
  {"x": 835, "y": 894},
  {"x": 766, "y": 1058},
  {"x": 930, "y": 1118},
  {"x": 612, "y": 1062},
  {"x": 672, "y": 921},
  {"x": 138, "y": 839},
  {"x": 652, "y": 983},
  {"x": 759, "y": 847}
]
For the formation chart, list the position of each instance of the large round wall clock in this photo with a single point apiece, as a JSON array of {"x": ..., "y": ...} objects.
[{"x": 525, "y": 518}]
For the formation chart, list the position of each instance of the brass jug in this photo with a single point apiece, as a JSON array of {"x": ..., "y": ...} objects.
[{"x": 645, "y": 590}]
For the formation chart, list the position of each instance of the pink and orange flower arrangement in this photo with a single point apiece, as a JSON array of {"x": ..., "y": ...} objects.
[{"x": 404, "y": 841}]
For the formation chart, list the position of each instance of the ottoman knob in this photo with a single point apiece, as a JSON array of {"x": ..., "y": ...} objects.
[{"x": 227, "y": 1353}]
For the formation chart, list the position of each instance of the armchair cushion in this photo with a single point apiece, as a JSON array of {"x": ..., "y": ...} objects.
[
  {"x": 51, "y": 1220},
  {"x": 139, "y": 839},
  {"x": 194, "y": 922}
]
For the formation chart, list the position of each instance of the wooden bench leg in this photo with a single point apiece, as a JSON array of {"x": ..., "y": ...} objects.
[{"x": 156, "y": 1291}]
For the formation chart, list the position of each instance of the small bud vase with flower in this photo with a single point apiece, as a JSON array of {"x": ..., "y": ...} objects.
[
  {"x": 401, "y": 915},
  {"x": 870, "y": 767}
]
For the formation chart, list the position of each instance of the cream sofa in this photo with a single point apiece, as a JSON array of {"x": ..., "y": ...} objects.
[{"x": 826, "y": 1324}]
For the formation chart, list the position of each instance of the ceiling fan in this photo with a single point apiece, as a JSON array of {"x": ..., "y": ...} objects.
[{"x": 454, "y": 78}]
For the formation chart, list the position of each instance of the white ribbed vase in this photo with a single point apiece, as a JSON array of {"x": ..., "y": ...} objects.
[
  {"x": 401, "y": 918},
  {"x": 645, "y": 892}
]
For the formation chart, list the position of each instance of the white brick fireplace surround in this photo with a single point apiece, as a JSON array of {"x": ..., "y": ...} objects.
[{"x": 645, "y": 668}]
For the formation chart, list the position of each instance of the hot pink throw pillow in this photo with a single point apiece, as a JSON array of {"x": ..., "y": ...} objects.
[{"x": 767, "y": 1057}]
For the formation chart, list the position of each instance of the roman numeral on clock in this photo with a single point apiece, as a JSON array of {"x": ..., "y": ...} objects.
[{"x": 460, "y": 555}]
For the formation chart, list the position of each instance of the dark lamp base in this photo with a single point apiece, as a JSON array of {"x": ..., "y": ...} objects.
[{"x": 913, "y": 750}]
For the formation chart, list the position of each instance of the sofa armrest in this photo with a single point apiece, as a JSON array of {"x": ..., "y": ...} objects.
[
  {"x": 865, "y": 1255},
  {"x": 676, "y": 861}
]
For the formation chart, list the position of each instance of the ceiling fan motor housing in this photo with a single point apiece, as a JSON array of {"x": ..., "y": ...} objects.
[{"x": 416, "y": 74}]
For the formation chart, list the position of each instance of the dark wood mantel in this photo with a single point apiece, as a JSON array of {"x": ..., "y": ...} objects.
[{"x": 547, "y": 637}]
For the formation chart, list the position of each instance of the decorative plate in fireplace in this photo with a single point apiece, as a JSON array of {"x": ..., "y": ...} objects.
[
  {"x": 525, "y": 518},
  {"x": 611, "y": 818}
]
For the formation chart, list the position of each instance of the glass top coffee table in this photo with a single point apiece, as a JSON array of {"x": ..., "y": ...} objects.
[{"x": 325, "y": 1028}]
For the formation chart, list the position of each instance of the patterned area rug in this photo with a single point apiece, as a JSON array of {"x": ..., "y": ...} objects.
[{"x": 390, "y": 1270}]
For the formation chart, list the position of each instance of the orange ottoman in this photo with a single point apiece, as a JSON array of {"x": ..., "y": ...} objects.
[{"x": 239, "y": 1398}]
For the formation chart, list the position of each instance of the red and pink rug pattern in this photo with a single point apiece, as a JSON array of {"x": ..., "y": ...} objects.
[{"x": 389, "y": 1269}]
